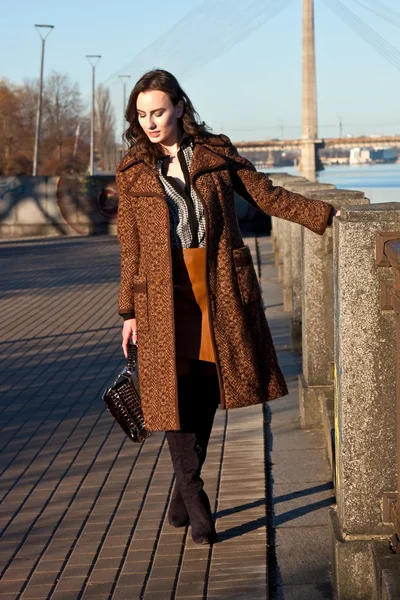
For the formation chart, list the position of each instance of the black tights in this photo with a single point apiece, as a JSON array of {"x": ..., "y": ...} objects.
[{"x": 198, "y": 395}]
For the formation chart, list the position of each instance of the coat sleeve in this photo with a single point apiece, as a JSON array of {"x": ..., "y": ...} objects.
[
  {"x": 259, "y": 191},
  {"x": 129, "y": 250}
]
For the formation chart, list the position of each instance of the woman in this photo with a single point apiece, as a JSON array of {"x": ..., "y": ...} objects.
[{"x": 189, "y": 293}]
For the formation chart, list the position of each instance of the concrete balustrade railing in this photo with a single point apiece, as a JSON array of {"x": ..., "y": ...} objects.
[
  {"x": 77, "y": 205},
  {"x": 365, "y": 398},
  {"x": 305, "y": 261},
  {"x": 348, "y": 381}
]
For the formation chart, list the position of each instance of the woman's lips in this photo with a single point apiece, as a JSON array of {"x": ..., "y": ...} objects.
[{"x": 153, "y": 133}]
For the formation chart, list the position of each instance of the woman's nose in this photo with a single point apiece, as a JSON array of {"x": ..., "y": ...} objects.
[{"x": 150, "y": 123}]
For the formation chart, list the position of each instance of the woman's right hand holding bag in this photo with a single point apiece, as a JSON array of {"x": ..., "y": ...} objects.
[{"x": 129, "y": 332}]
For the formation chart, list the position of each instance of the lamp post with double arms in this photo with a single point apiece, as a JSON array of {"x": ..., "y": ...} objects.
[
  {"x": 43, "y": 31},
  {"x": 93, "y": 60}
]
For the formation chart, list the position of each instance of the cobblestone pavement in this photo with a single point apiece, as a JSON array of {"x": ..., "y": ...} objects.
[{"x": 83, "y": 509}]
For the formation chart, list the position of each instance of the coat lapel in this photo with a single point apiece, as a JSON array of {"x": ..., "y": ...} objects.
[
  {"x": 205, "y": 160},
  {"x": 145, "y": 182}
]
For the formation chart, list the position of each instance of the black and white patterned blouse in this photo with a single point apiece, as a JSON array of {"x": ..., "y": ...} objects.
[{"x": 186, "y": 213}]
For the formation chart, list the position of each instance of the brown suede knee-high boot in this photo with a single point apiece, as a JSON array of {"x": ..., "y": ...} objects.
[
  {"x": 185, "y": 455},
  {"x": 177, "y": 512},
  {"x": 198, "y": 401}
]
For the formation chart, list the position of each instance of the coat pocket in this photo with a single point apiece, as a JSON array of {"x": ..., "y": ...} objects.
[
  {"x": 141, "y": 303},
  {"x": 246, "y": 276}
]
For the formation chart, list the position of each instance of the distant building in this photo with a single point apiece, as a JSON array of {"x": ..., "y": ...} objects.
[
  {"x": 364, "y": 156},
  {"x": 360, "y": 156},
  {"x": 384, "y": 155}
]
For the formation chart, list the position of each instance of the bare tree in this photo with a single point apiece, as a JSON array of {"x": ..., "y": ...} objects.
[
  {"x": 28, "y": 94},
  {"x": 8, "y": 109},
  {"x": 62, "y": 111},
  {"x": 16, "y": 141},
  {"x": 105, "y": 128}
]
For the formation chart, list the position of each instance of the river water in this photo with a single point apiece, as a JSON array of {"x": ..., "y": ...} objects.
[{"x": 380, "y": 183}]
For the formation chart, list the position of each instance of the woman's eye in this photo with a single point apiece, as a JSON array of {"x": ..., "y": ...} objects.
[
  {"x": 160, "y": 114},
  {"x": 140, "y": 116}
]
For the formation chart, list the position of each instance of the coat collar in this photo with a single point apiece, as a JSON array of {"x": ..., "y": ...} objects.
[
  {"x": 203, "y": 146},
  {"x": 145, "y": 181},
  {"x": 206, "y": 156}
]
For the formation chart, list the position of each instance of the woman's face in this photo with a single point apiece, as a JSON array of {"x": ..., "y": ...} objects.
[{"x": 158, "y": 117}]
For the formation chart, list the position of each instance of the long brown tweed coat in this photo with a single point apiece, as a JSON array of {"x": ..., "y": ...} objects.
[{"x": 245, "y": 356}]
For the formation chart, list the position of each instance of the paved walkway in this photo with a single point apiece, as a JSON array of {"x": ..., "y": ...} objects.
[
  {"x": 83, "y": 509},
  {"x": 299, "y": 481}
]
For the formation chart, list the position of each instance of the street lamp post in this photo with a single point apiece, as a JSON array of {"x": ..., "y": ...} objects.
[
  {"x": 124, "y": 80},
  {"x": 43, "y": 31},
  {"x": 93, "y": 60},
  {"x": 340, "y": 124}
]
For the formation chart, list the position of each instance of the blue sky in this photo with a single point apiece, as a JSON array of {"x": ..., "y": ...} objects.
[{"x": 241, "y": 69}]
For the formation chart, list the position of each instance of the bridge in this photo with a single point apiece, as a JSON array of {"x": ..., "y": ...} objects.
[
  {"x": 387, "y": 141},
  {"x": 310, "y": 143}
]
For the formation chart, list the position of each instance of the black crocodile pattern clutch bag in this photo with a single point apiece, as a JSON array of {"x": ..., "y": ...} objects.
[{"x": 123, "y": 400}]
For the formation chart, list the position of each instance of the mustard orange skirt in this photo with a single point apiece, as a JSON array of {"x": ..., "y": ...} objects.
[{"x": 192, "y": 327}]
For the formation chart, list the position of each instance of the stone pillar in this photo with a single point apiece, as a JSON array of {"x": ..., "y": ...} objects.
[
  {"x": 282, "y": 238},
  {"x": 297, "y": 262},
  {"x": 287, "y": 266},
  {"x": 292, "y": 262},
  {"x": 317, "y": 313},
  {"x": 289, "y": 271},
  {"x": 290, "y": 251},
  {"x": 309, "y": 159},
  {"x": 273, "y": 236},
  {"x": 282, "y": 179},
  {"x": 334, "y": 196},
  {"x": 278, "y": 247},
  {"x": 365, "y": 395}
]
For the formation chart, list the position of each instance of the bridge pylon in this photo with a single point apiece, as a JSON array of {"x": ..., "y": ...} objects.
[{"x": 310, "y": 162}]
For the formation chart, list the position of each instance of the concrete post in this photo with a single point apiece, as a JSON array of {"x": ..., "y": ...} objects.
[
  {"x": 278, "y": 234},
  {"x": 297, "y": 261},
  {"x": 336, "y": 197},
  {"x": 309, "y": 160},
  {"x": 317, "y": 314},
  {"x": 292, "y": 245},
  {"x": 282, "y": 237},
  {"x": 288, "y": 249},
  {"x": 274, "y": 239},
  {"x": 292, "y": 256},
  {"x": 287, "y": 266},
  {"x": 365, "y": 396},
  {"x": 278, "y": 247}
]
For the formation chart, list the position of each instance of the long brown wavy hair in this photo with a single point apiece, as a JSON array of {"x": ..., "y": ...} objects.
[{"x": 189, "y": 122}]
